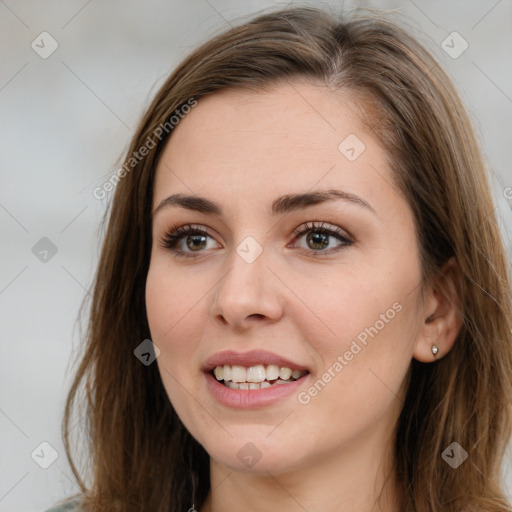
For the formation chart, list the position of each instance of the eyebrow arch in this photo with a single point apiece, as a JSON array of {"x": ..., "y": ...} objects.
[{"x": 283, "y": 204}]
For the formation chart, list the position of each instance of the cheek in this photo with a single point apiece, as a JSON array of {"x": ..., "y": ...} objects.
[
  {"x": 345, "y": 305},
  {"x": 173, "y": 310},
  {"x": 363, "y": 373},
  {"x": 172, "y": 304},
  {"x": 368, "y": 318}
]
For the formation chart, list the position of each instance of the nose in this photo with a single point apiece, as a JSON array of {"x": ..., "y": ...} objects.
[{"x": 248, "y": 294}]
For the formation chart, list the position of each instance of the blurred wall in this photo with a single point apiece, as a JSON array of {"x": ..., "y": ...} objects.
[{"x": 75, "y": 77}]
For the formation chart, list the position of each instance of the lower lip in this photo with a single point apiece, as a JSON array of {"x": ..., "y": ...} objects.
[{"x": 251, "y": 398}]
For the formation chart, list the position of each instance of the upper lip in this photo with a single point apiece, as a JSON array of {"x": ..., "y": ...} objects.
[{"x": 252, "y": 358}]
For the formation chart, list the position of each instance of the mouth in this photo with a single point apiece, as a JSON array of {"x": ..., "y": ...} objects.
[{"x": 255, "y": 377}]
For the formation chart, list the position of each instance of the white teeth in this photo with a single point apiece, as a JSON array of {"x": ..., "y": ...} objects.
[
  {"x": 255, "y": 377},
  {"x": 256, "y": 373},
  {"x": 285, "y": 373},
  {"x": 272, "y": 372},
  {"x": 254, "y": 385},
  {"x": 238, "y": 373}
]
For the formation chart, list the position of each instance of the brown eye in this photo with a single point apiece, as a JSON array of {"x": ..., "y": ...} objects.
[
  {"x": 318, "y": 238},
  {"x": 195, "y": 238},
  {"x": 195, "y": 242}
]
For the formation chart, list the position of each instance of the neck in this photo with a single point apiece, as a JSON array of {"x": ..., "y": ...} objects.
[{"x": 358, "y": 478}]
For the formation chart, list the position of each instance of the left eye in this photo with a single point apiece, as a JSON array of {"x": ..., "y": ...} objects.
[
  {"x": 317, "y": 237},
  {"x": 196, "y": 239}
]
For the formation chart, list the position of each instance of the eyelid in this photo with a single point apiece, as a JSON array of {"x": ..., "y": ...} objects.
[
  {"x": 345, "y": 239},
  {"x": 322, "y": 226},
  {"x": 175, "y": 233}
]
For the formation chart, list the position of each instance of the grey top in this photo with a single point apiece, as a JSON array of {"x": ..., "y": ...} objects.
[{"x": 69, "y": 506}]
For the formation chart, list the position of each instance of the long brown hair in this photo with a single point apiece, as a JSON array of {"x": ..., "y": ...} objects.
[{"x": 140, "y": 456}]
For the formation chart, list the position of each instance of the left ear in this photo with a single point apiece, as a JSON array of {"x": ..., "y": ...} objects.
[{"x": 442, "y": 322}]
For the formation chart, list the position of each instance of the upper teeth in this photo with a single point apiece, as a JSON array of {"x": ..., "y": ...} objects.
[{"x": 257, "y": 373}]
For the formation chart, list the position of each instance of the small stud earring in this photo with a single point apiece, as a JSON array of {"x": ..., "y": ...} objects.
[{"x": 435, "y": 350}]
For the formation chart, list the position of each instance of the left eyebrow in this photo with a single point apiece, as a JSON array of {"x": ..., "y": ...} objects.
[
  {"x": 283, "y": 204},
  {"x": 292, "y": 202}
]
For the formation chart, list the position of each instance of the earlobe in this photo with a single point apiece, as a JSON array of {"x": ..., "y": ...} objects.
[{"x": 443, "y": 323}]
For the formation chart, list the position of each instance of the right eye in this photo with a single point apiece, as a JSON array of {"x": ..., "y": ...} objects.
[{"x": 195, "y": 239}]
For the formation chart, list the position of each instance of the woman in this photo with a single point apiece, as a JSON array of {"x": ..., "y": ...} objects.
[{"x": 302, "y": 302}]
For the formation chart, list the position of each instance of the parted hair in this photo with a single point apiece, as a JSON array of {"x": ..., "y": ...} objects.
[{"x": 139, "y": 456}]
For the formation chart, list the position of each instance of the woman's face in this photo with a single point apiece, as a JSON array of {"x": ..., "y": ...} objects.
[{"x": 306, "y": 260}]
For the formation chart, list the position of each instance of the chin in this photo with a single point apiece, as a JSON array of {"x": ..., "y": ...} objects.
[
  {"x": 253, "y": 450},
  {"x": 250, "y": 459}
]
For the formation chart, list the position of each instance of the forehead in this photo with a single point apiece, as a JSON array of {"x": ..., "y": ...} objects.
[
  {"x": 299, "y": 112},
  {"x": 291, "y": 138}
]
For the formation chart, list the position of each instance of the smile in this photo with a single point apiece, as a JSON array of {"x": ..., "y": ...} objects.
[{"x": 255, "y": 377}]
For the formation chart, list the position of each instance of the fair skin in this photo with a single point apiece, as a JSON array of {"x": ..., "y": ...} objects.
[{"x": 242, "y": 150}]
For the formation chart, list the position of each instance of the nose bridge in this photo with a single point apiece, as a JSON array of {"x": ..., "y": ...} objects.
[{"x": 248, "y": 288}]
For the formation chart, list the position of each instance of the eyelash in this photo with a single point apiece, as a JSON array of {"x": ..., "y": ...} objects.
[{"x": 175, "y": 234}]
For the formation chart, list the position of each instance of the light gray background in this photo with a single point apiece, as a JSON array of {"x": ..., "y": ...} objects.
[{"x": 66, "y": 120}]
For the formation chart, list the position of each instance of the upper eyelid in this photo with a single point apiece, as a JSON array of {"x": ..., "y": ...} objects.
[
  {"x": 312, "y": 224},
  {"x": 321, "y": 226}
]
